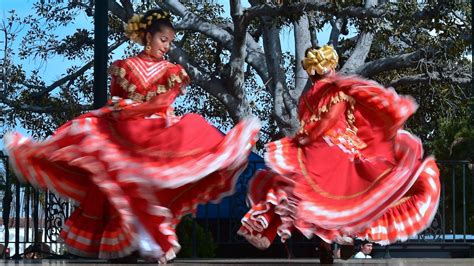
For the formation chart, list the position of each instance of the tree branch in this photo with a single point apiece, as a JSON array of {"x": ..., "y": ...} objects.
[
  {"x": 302, "y": 42},
  {"x": 401, "y": 61},
  {"x": 337, "y": 28},
  {"x": 362, "y": 47},
  {"x": 72, "y": 76},
  {"x": 428, "y": 78},
  {"x": 238, "y": 53},
  {"x": 390, "y": 63},
  {"x": 312, "y": 29},
  {"x": 212, "y": 85},
  {"x": 189, "y": 21},
  {"x": 119, "y": 11},
  {"x": 284, "y": 10},
  {"x": 284, "y": 106},
  {"x": 128, "y": 7},
  {"x": 37, "y": 108},
  {"x": 359, "y": 54}
]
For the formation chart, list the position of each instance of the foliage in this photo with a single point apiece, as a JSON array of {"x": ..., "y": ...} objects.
[
  {"x": 191, "y": 234},
  {"x": 455, "y": 139},
  {"x": 32, "y": 38},
  {"x": 437, "y": 76},
  {"x": 444, "y": 39},
  {"x": 208, "y": 55}
]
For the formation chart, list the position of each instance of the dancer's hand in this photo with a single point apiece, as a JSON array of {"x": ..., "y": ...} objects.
[
  {"x": 158, "y": 104},
  {"x": 302, "y": 139}
]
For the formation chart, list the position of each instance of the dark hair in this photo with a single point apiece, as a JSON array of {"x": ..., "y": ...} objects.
[
  {"x": 316, "y": 47},
  {"x": 316, "y": 76},
  {"x": 156, "y": 24}
]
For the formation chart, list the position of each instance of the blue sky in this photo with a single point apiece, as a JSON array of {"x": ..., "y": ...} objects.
[{"x": 49, "y": 70}]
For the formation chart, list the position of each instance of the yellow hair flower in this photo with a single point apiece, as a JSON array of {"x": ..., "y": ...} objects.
[
  {"x": 133, "y": 29},
  {"x": 321, "y": 60},
  {"x": 137, "y": 24}
]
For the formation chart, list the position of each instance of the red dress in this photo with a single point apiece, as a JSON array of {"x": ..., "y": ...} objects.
[
  {"x": 134, "y": 176},
  {"x": 360, "y": 176}
]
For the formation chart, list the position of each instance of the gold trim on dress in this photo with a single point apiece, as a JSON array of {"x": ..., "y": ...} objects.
[
  {"x": 400, "y": 201},
  {"x": 120, "y": 74},
  {"x": 337, "y": 98}
]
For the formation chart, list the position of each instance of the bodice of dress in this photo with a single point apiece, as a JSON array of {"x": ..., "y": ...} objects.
[
  {"x": 314, "y": 107},
  {"x": 371, "y": 118},
  {"x": 317, "y": 102},
  {"x": 143, "y": 77}
]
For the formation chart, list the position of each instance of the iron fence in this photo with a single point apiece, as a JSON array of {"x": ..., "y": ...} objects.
[{"x": 31, "y": 220}]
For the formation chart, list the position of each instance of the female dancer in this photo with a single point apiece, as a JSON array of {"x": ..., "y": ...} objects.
[
  {"x": 133, "y": 167},
  {"x": 351, "y": 171}
]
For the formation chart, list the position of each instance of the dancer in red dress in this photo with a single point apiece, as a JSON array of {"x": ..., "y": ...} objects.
[
  {"x": 133, "y": 167},
  {"x": 351, "y": 171}
]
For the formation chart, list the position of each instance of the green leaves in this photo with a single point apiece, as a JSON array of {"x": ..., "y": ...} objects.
[
  {"x": 76, "y": 45},
  {"x": 30, "y": 44},
  {"x": 439, "y": 32},
  {"x": 195, "y": 236}
]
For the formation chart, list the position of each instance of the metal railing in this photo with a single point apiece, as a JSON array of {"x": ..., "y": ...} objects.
[
  {"x": 32, "y": 219},
  {"x": 454, "y": 221}
]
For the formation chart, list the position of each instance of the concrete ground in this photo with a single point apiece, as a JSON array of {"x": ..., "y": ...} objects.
[{"x": 183, "y": 262}]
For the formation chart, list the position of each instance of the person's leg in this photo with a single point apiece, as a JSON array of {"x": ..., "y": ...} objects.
[
  {"x": 347, "y": 251},
  {"x": 325, "y": 253}
]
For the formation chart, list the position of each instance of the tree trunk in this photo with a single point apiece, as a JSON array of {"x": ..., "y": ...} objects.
[
  {"x": 302, "y": 42},
  {"x": 284, "y": 106},
  {"x": 362, "y": 48}
]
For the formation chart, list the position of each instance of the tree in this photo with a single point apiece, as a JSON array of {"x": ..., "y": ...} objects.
[
  {"x": 237, "y": 63},
  {"x": 195, "y": 241}
]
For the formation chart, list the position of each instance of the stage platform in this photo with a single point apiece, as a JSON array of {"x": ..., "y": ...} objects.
[{"x": 215, "y": 262}]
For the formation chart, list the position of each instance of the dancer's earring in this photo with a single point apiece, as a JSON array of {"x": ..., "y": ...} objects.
[{"x": 148, "y": 47}]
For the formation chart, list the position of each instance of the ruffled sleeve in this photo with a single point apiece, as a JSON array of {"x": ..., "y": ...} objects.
[
  {"x": 117, "y": 72},
  {"x": 382, "y": 106},
  {"x": 176, "y": 78},
  {"x": 379, "y": 107}
]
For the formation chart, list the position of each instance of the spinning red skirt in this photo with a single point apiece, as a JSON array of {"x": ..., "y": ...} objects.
[
  {"x": 134, "y": 178},
  {"x": 362, "y": 176}
]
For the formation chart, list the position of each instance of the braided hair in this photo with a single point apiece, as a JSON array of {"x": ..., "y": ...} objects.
[
  {"x": 320, "y": 61},
  {"x": 151, "y": 22}
]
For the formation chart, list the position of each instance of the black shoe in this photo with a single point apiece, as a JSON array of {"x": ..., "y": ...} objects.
[
  {"x": 347, "y": 251},
  {"x": 325, "y": 253}
]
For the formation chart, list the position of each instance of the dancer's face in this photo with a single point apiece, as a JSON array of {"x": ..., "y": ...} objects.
[
  {"x": 367, "y": 248},
  {"x": 160, "y": 41}
]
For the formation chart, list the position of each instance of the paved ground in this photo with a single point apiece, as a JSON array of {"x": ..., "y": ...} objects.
[{"x": 372, "y": 262}]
